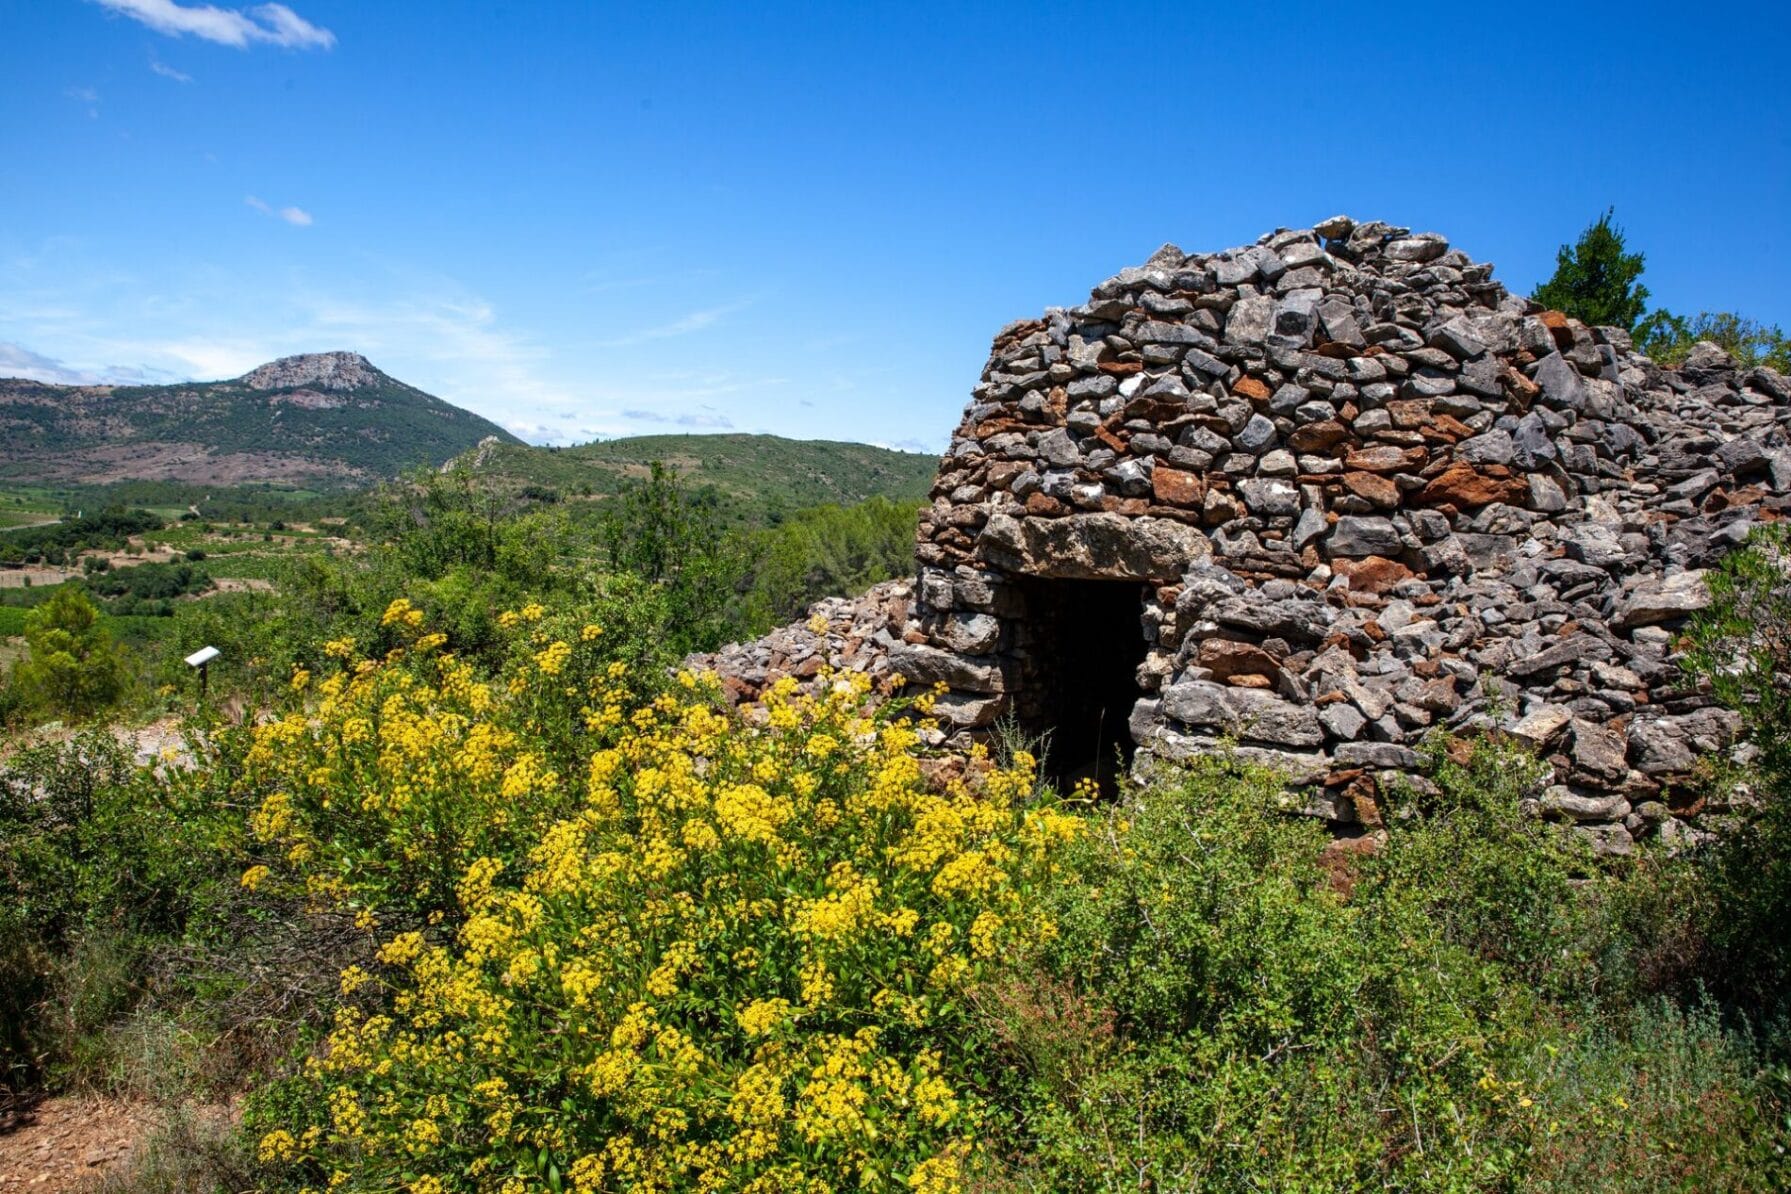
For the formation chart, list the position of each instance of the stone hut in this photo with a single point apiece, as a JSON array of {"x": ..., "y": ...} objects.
[{"x": 1316, "y": 497}]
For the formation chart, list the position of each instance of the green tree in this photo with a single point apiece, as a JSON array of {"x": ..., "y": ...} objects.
[
  {"x": 675, "y": 540},
  {"x": 1669, "y": 338},
  {"x": 1595, "y": 281},
  {"x": 829, "y": 551},
  {"x": 74, "y": 668}
]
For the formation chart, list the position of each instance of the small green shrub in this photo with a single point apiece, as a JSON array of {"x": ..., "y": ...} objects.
[
  {"x": 1234, "y": 1003},
  {"x": 73, "y": 667}
]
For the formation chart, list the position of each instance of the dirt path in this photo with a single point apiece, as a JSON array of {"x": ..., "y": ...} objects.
[{"x": 70, "y": 1144}]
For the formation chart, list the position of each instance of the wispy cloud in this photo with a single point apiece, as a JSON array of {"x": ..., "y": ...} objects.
[
  {"x": 684, "y": 325},
  {"x": 84, "y": 95},
  {"x": 18, "y": 361},
  {"x": 167, "y": 72},
  {"x": 297, "y": 216},
  {"x": 264, "y": 24},
  {"x": 923, "y": 446},
  {"x": 710, "y": 419}
]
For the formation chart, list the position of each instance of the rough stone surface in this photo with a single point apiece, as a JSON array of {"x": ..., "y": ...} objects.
[{"x": 1364, "y": 493}]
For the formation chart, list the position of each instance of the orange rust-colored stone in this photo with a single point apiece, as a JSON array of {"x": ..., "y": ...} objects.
[
  {"x": 1228, "y": 659},
  {"x": 1372, "y": 487},
  {"x": 1409, "y": 413},
  {"x": 1341, "y": 861},
  {"x": 1447, "y": 428},
  {"x": 1177, "y": 487},
  {"x": 1558, "y": 328},
  {"x": 1251, "y": 388},
  {"x": 1117, "y": 443},
  {"x": 1385, "y": 458},
  {"x": 1520, "y": 385},
  {"x": 1465, "y": 486},
  {"x": 1318, "y": 437},
  {"x": 1374, "y": 575}
]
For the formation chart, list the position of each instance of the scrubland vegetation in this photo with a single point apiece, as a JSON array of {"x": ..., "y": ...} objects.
[
  {"x": 486, "y": 895},
  {"x": 462, "y": 545}
]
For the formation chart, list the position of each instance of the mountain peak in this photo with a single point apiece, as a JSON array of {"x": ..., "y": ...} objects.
[{"x": 325, "y": 370}]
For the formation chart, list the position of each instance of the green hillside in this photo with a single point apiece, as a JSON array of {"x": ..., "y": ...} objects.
[
  {"x": 324, "y": 421},
  {"x": 763, "y": 471}
]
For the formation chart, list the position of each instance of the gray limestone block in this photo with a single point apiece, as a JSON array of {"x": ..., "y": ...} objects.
[
  {"x": 1426, "y": 246},
  {"x": 1256, "y": 435},
  {"x": 1252, "y": 714},
  {"x": 1356, "y": 536},
  {"x": 1494, "y": 447},
  {"x": 1560, "y": 382},
  {"x": 1250, "y": 320},
  {"x": 926, "y": 665},
  {"x": 1661, "y": 599}
]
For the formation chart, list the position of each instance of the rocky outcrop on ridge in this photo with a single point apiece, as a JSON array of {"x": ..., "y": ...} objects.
[
  {"x": 324, "y": 370},
  {"x": 1364, "y": 493}
]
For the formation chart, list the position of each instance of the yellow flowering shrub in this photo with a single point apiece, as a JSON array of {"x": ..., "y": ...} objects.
[{"x": 696, "y": 954}]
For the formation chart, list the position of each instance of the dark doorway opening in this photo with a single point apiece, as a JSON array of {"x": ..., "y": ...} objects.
[{"x": 1083, "y": 641}]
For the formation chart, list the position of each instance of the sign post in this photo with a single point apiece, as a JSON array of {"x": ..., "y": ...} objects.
[{"x": 201, "y": 659}]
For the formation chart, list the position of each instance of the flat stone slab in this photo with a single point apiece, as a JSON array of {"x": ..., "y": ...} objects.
[{"x": 1092, "y": 547}]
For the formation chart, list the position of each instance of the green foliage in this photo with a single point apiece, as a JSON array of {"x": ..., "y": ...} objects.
[
  {"x": 96, "y": 861},
  {"x": 147, "y": 590},
  {"x": 657, "y": 533},
  {"x": 73, "y": 667},
  {"x": 436, "y": 522},
  {"x": 1742, "y": 650},
  {"x": 57, "y": 543},
  {"x": 1209, "y": 995},
  {"x": 1595, "y": 280},
  {"x": 745, "y": 480},
  {"x": 1669, "y": 338},
  {"x": 827, "y": 551},
  {"x": 1230, "y": 1004}
]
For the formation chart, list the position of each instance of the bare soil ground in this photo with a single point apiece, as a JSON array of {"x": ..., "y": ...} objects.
[
  {"x": 71, "y": 1143},
  {"x": 239, "y": 584},
  {"x": 39, "y": 575}
]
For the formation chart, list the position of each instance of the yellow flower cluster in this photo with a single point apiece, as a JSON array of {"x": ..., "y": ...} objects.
[{"x": 729, "y": 957}]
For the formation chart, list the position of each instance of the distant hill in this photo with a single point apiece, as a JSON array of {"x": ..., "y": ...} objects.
[
  {"x": 321, "y": 421},
  {"x": 763, "y": 472}
]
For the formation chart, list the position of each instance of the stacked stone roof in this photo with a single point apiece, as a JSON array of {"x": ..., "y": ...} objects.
[{"x": 1366, "y": 493}]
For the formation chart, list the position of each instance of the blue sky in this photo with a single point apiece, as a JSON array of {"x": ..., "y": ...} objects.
[{"x": 583, "y": 220}]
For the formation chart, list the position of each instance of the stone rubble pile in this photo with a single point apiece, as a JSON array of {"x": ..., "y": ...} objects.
[
  {"x": 1365, "y": 493},
  {"x": 841, "y": 634}
]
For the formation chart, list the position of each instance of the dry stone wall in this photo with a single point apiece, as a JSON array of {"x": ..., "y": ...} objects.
[{"x": 1362, "y": 492}]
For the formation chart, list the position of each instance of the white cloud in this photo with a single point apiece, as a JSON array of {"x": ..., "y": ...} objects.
[
  {"x": 297, "y": 216},
  {"x": 266, "y": 24},
  {"x": 90, "y": 319},
  {"x": 203, "y": 359},
  {"x": 18, "y": 361},
  {"x": 290, "y": 29},
  {"x": 167, "y": 72}
]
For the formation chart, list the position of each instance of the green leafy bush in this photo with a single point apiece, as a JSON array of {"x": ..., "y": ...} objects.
[
  {"x": 1232, "y": 1003},
  {"x": 73, "y": 667},
  {"x": 97, "y": 860},
  {"x": 1669, "y": 338}
]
